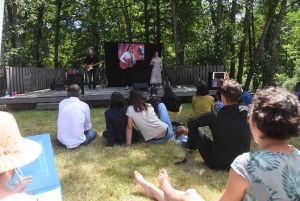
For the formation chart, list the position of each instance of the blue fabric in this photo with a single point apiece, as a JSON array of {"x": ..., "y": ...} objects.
[
  {"x": 247, "y": 97},
  {"x": 90, "y": 136},
  {"x": 164, "y": 117},
  {"x": 218, "y": 105}
]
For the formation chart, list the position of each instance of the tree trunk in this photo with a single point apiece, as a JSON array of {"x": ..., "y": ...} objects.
[
  {"x": 38, "y": 37},
  {"x": 12, "y": 13},
  {"x": 232, "y": 45},
  {"x": 274, "y": 40},
  {"x": 127, "y": 20},
  {"x": 146, "y": 20},
  {"x": 243, "y": 42},
  {"x": 175, "y": 32},
  {"x": 261, "y": 41},
  {"x": 182, "y": 32},
  {"x": 57, "y": 29},
  {"x": 158, "y": 34}
]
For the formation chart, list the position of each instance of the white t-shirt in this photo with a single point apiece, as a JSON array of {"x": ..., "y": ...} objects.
[
  {"x": 147, "y": 122},
  {"x": 73, "y": 120},
  {"x": 127, "y": 55}
]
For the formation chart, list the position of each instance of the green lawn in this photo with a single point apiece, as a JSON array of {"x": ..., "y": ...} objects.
[{"x": 97, "y": 173}]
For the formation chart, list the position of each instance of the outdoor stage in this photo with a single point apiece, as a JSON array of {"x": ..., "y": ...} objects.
[{"x": 49, "y": 99}]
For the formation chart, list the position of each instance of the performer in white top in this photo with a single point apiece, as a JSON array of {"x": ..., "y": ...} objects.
[
  {"x": 74, "y": 125},
  {"x": 129, "y": 54}
]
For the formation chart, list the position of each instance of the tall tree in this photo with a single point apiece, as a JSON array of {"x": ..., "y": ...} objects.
[
  {"x": 243, "y": 42},
  {"x": 182, "y": 32},
  {"x": 38, "y": 37},
  {"x": 57, "y": 30},
  {"x": 127, "y": 20},
  {"x": 232, "y": 44},
  {"x": 173, "y": 4},
  {"x": 261, "y": 41},
  {"x": 274, "y": 40},
  {"x": 146, "y": 20},
  {"x": 158, "y": 34}
]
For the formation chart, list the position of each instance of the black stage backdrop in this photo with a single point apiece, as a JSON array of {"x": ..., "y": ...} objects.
[{"x": 141, "y": 71}]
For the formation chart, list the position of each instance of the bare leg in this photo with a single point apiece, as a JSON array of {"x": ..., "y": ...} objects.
[
  {"x": 150, "y": 190},
  {"x": 173, "y": 194}
]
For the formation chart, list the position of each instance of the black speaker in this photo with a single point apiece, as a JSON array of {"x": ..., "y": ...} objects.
[
  {"x": 140, "y": 86},
  {"x": 77, "y": 79}
]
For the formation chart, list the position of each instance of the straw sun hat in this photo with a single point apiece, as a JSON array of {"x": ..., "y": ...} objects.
[{"x": 15, "y": 151}]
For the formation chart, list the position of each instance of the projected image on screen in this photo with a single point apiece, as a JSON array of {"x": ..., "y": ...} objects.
[{"x": 127, "y": 57}]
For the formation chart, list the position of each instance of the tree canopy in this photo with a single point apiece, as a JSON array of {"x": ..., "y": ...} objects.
[{"x": 249, "y": 37}]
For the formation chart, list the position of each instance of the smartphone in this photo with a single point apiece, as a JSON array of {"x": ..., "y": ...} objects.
[{"x": 218, "y": 75}]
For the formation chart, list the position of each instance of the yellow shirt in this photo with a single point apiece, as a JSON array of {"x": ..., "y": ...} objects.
[{"x": 202, "y": 104}]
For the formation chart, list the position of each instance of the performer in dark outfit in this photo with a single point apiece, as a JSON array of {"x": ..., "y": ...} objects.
[{"x": 89, "y": 60}]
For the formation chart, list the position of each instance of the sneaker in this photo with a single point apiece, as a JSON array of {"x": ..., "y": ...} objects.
[
  {"x": 186, "y": 147},
  {"x": 126, "y": 88},
  {"x": 160, "y": 87}
]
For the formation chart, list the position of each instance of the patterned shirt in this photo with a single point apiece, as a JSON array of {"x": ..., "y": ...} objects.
[{"x": 270, "y": 175}]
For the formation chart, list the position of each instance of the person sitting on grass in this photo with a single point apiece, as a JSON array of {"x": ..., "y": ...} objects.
[
  {"x": 171, "y": 101},
  {"x": 153, "y": 99},
  {"x": 116, "y": 121},
  {"x": 158, "y": 130},
  {"x": 270, "y": 173},
  {"x": 74, "y": 124},
  {"x": 15, "y": 153},
  {"x": 202, "y": 102},
  {"x": 229, "y": 128}
]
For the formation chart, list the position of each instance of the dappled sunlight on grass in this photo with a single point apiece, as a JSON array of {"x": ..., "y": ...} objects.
[{"x": 97, "y": 173}]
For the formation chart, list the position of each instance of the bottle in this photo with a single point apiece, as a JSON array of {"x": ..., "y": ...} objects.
[
  {"x": 13, "y": 93},
  {"x": 16, "y": 93},
  {"x": 6, "y": 93}
]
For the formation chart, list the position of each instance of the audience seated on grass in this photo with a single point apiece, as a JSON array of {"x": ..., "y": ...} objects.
[
  {"x": 270, "y": 173},
  {"x": 74, "y": 124},
  {"x": 218, "y": 101},
  {"x": 229, "y": 128},
  {"x": 247, "y": 97},
  {"x": 15, "y": 152},
  {"x": 202, "y": 102},
  {"x": 158, "y": 130},
  {"x": 116, "y": 122},
  {"x": 153, "y": 99},
  {"x": 171, "y": 101}
]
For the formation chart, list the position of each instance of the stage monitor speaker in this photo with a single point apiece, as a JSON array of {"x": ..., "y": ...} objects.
[
  {"x": 141, "y": 86},
  {"x": 57, "y": 86},
  {"x": 77, "y": 79}
]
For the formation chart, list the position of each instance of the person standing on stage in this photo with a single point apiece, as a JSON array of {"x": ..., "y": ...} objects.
[
  {"x": 129, "y": 54},
  {"x": 156, "y": 62},
  {"x": 90, "y": 60}
]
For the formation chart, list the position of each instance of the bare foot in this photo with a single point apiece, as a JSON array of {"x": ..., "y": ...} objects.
[
  {"x": 144, "y": 183},
  {"x": 163, "y": 179}
]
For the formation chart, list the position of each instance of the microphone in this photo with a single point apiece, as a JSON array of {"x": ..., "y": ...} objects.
[{"x": 141, "y": 51}]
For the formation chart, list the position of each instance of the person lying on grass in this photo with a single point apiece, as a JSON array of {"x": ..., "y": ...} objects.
[
  {"x": 158, "y": 130},
  {"x": 270, "y": 173}
]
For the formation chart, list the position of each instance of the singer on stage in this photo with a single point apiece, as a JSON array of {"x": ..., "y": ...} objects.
[
  {"x": 129, "y": 54},
  {"x": 156, "y": 62}
]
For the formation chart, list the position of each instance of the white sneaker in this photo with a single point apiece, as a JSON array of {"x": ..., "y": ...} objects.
[{"x": 126, "y": 88}]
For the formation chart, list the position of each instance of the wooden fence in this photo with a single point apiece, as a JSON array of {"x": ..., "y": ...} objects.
[
  {"x": 22, "y": 80},
  {"x": 187, "y": 75}
]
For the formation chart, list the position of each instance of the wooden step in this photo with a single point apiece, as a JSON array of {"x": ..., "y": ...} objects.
[{"x": 47, "y": 106}]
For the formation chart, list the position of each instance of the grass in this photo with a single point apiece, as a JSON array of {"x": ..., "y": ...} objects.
[{"x": 97, "y": 173}]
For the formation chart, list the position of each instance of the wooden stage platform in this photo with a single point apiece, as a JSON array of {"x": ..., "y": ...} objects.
[{"x": 49, "y": 99}]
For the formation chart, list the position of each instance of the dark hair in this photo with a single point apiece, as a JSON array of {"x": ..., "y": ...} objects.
[
  {"x": 169, "y": 94},
  {"x": 276, "y": 113},
  {"x": 153, "y": 90},
  {"x": 116, "y": 100},
  {"x": 129, "y": 47},
  {"x": 202, "y": 89},
  {"x": 73, "y": 91},
  {"x": 154, "y": 53},
  {"x": 218, "y": 96},
  {"x": 231, "y": 90},
  {"x": 136, "y": 100}
]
